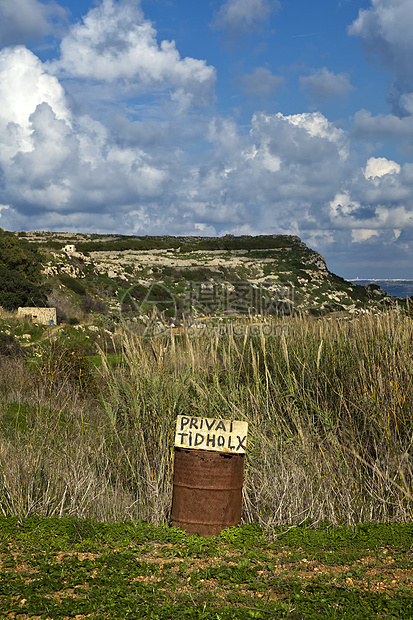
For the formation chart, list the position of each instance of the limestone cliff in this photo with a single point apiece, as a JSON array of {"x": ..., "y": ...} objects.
[{"x": 258, "y": 274}]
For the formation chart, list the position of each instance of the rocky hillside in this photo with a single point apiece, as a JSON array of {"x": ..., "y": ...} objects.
[{"x": 182, "y": 278}]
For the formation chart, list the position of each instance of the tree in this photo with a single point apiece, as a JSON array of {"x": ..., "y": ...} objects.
[
  {"x": 20, "y": 255},
  {"x": 9, "y": 346},
  {"x": 20, "y": 273},
  {"x": 16, "y": 290}
]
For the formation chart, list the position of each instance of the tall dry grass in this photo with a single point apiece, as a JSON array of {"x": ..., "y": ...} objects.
[{"x": 329, "y": 406}]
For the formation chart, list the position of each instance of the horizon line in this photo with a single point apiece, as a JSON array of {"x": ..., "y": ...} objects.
[{"x": 382, "y": 279}]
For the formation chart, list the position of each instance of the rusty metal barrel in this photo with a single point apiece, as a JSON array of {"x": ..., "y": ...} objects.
[{"x": 207, "y": 490}]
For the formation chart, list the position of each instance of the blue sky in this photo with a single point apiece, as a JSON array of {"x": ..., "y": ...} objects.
[{"x": 207, "y": 118}]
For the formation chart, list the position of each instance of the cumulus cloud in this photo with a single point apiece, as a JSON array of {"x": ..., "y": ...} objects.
[
  {"x": 23, "y": 20},
  {"x": 60, "y": 165},
  {"x": 362, "y": 234},
  {"x": 243, "y": 14},
  {"x": 66, "y": 169},
  {"x": 317, "y": 126},
  {"x": 78, "y": 170},
  {"x": 63, "y": 168},
  {"x": 115, "y": 43},
  {"x": 323, "y": 85},
  {"x": 377, "y": 167},
  {"x": 384, "y": 127},
  {"x": 392, "y": 127},
  {"x": 277, "y": 178},
  {"x": 24, "y": 84},
  {"x": 377, "y": 202},
  {"x": 386, "y": 30},
  {"x": 261, "y": 82}
]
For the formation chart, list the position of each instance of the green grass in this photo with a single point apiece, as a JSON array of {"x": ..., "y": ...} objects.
[
  {"x": 113, "y": 359},
  {"x": 66, "y": 568},
  {"x": 328, "y": 402}
]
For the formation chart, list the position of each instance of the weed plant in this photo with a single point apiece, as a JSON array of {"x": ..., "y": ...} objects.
[
  {"x": 329, "y": 407},
  {"x": 71, "y": 568}
]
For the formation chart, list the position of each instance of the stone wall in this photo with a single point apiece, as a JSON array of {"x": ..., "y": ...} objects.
[{"x": 44, "y": 316}]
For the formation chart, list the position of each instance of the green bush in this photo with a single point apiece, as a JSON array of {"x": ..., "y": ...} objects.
[
  {"x": 9, "y": 345},
  {"x": 17, "y": 254},
  {"x": 63, "y": 364},
  {"x": 72, "y": 284},
  {"x": 88, "y": 304},
  {"x": 20, "y": 265},
  {"x": 16, "y": 290}
]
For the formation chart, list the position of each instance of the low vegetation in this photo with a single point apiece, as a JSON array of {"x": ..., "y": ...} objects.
[
  {"x": 87, "y": 419},
  {"x": 328, "y": 402},
  {"x": 20, "y": 277},
  {"x": 70, "y": 568}
]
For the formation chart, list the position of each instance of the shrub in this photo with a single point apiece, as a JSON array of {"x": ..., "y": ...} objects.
[
  {"x": 88, "y": 304},
  {"x": 61, "y": 315},
  {"x": 72, "y": 284},
  {"x": 9, "y": 345},
  {"x": 19, "y": 255},
  {"x": 16, "y": 290},
  {"x": 66, "y": 365}
]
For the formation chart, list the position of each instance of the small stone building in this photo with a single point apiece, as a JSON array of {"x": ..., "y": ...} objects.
[{"x": 44, "y": 316}]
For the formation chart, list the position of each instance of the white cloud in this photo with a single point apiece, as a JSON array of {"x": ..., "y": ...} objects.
[
  {"x": 386, "y": 126},
  {"x": 291, "y": 173},
  {"x": 152, "y": 170},
  {"x": 379, "y": 166},
  {"x": 362, "y": 234},
  {"x": 261, "y": 82},
  {"x": 386, "y": 30},
  {"x": 116, "y": 43},
  {"x": 323, "y": 85},
  {"x": 263, "y": 157},
  {"x": 343, "y": 205},
  {"x": 53, "y": 148},
  {"x": 379, "y": 199},
  {"x": 269, "y": 162},
  {"x": 223, "y": 133},
  {"x": 23, "y": 86},
  {"x": 407, "y": 102},
  {"x": 22, "y": 20},
  {"x": 317, "y": 126},
  {"x": 53, "y": 161},
  {"x": 382, "y": 125},
  {"x": 243, "y": 14},
  {"x": 277, "y": 178}
]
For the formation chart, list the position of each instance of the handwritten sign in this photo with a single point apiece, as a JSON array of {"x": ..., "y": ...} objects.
[{"x": 211, "y": 434}]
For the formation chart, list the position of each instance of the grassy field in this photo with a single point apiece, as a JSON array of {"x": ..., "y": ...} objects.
[
  {"x": 86, "y": 465},
  {"x": 328, "y": 402},
  {"x": 69, "y": 568}
]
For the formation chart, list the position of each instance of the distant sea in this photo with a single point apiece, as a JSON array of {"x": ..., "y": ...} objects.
[{"x": 397, "y": 288}]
